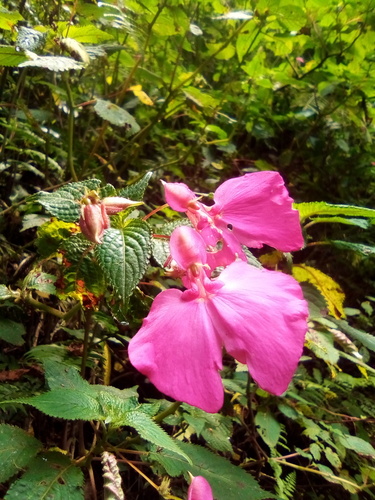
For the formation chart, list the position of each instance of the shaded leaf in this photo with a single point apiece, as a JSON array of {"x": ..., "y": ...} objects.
[
  {"x": 268, "y": 427},
  {"x": 12, "y": 332},
  {"x": 117, "y": 116},
  {"x": 50, "y": 476},
  {"x": 52, "y": 63},
  {"x": 42, "y": 282},
  {"x": 359, "y": 248},
  {"x": 357, "y": 444},
  {"x": 17, "y": 448}
]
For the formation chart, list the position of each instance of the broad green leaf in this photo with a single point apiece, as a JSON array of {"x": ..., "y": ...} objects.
[
  {"x": 152, "y": 432},
  {"x": 52, "y": 234},
  {"x": 117, "y": 116},
  {"x": 307, "y": 210},
  {"x": 359, "y": 248},
  {"x": 87, "y": 34},
  {"x": 330, "y": 290},
  {"x": 124, "y": 255},
  {"x": 67, "y": 403},
  {"x": 61, "y": 375},
  {"x": 10, "y": 57},
  {"x": 9, "y": 19},
  {"x": 363, "y": 223},
  {"x": 268, "y": 427},
  {"x": 63, "y": 203},
  {"x": 17, "y": 448},
  {"x": 357, "y": 444},
  {"x": 136, "y": 190},
  {"x": 228, "y": 482},
  {"x": 42, "y": 282},
  {"x": 50, "y": 476},
  {"x": 12, "y": 332}
]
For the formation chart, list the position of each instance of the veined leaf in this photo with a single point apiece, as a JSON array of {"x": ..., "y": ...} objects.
[
  {"x": 307, "y": 210},
  {"x": 9, "y": 19},
  {"x": 228, "y": 481},
  {"x": 63, "y": 203},
  {"x": 357, "y": 444},
  {"x": 117, "y": 116},
  {"x": 42, "y": 282},
  {"x": 359, "y": 248},
  {"x": 268, "y": 427},
  {"x": 330, "y": 290},
  {"x": 50, "y": 476},
  {"x": 52, "y": 63},
  {"x": 136, "y": 190},
  {"x": 17, "y": 448},
  {"x": 363, "y": 223},
  {"x": 152, "y": 432},
  {"x": 124, "y": 255},
  {"x": 5, "y": 293}
]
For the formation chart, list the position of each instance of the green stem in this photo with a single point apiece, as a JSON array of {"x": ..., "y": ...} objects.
[
  {"x": 70, "y": 129},
  {"x": 86, "y": 343},
  {"x": 51, "y": 310},
  {"x": 169, "y": 411}
]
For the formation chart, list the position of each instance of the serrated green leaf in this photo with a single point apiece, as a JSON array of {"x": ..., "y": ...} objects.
[
  {"x": 228, "y": 482},
  {"x": 152, "y": 432},
  {"x": 63, "y": 203},
  {"x": 307, "y": 210},
  {"x": 124, "y": 255},
  {"x": 117, "y": 116},
  {"x": 359, "y": 248},
  {"x": 363, "y": 223},
  {"x": 67, "y": 403},
  {"x": 61, "y": 375},
  {"x": 17, "y": 448},
  {"x": 12, "y": 332},
  {"x": 10, "y": 57},
  {"x": 50, "y": 476},
  {"x": 136, "y": 190},
  {"x": 268, "y": 427},
  {"x": 160, "y": 246},
  {"x": 42, "y": 282},
  {"x": 87, "y": 34},
  {"x": 322, "y": 346}
]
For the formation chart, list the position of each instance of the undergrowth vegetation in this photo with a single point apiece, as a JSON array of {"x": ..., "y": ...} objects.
[{"x": 102, "y": 100}]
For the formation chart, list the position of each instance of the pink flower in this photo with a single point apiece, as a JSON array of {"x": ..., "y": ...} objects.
[
  {"x": 258, "y": 315},
  {"x": 251, "y": 210},
  {"x": 93, "y": 221},
  {"x": 200, "y": 489}
]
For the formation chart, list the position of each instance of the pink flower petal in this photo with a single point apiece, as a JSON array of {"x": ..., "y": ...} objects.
[
  {"x": 178, "y": 349},
  {"x": 187, "y": 247},
  {"x": 200, "y": 489},
  {"x": 259, "y": 209},
  {"x": 178, "y": 195},
  {"x": 261, "y": 316}
]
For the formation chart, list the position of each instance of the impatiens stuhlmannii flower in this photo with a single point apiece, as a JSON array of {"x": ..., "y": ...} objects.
[
  {"x": 199, "y": 489},
  {"x": 94, "y": 214},
  {"x": 251, "y": 210},
  {"x": 259, "y": 316}
]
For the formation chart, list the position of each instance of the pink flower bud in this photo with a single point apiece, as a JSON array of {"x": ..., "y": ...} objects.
[
  {"x": 200, "y": 489},
  {"x": 178, "y": 195},
  {"x": 93, "y": 221},
  {"x": 115, "y": 204}
]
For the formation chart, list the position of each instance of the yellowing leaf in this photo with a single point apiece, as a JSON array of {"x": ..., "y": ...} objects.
[
  {"x": 330, "y": 290},
  {"x": 107, "y": 364},
  {"x": 142, "y": 96}
]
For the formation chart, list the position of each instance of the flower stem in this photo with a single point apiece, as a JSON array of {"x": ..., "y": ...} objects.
[{"x": 169, "y": 411}]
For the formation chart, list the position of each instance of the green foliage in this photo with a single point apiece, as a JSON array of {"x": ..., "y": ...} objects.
[
  {"x": 17, "y": 449},
  {"x": 51, "y": 475},
  {"x": 228, "y": 481},
  {"x": 124, "y": 255}
]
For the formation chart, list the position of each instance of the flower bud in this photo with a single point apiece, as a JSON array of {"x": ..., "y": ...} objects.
[
  {"x": 200, "y": 489},
  {"x": 115, "y": 204},
  {"x": 178, "y": 195},
  {"x": 93, "y": 221}
]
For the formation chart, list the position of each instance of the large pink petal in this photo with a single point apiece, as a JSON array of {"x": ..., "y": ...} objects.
[
  {"x": 187, "y": 247},
  {"x": 200, "y": 489},
  {"x": 262, "y": 320},
  {"x": 260, "y": 210},
  {"x": 178, "y": 349}
]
